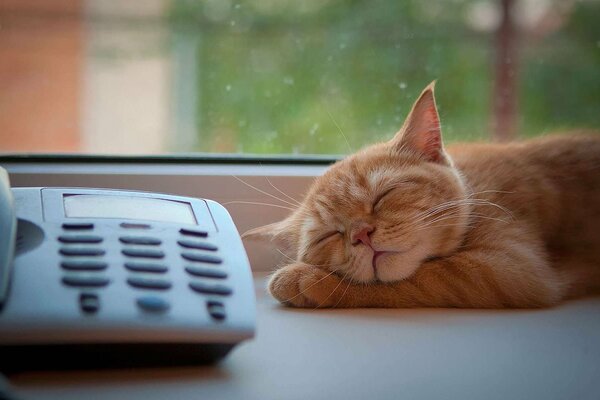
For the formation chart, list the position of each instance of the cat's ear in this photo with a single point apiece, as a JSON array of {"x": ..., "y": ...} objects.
[
  {"x": 281, "y": 233},
  {"x": 421, "y": 132}
]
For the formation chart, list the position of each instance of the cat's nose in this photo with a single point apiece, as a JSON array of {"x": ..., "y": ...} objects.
[{"x": 361, "y": 234}]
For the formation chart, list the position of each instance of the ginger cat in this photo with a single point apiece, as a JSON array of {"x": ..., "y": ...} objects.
[{"x": 408, "y": 223}]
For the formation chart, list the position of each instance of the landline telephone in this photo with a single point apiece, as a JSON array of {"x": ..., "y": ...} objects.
[{"x": 102, "y": 278}]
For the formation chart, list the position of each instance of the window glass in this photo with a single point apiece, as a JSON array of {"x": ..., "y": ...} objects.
[{"x": 288, "y": 76}]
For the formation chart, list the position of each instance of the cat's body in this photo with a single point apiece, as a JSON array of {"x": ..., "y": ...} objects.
[{"x": 405, "y": 223}]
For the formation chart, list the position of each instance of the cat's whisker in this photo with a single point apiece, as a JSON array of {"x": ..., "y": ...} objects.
[
  {"x": 257, "y": 203},
  {"x": 339, "y": 129},
  {"x": 457, "y": 203},
  {"x": 343, "y": 294},
  {"x": 282, "y": 192},
  {"x": 313, "y": 284},
  {"x": 450, "y": 208},
  {"x": 408, "y": 225},
  {"x": 333, "y": 291},
  {"x": 484, "y": 202},
  {"x": 441, "y": 208},
  {"x": 285, "y": 255},
  {"x": 263, "y": 192},
  {"x": 490, "y": 191},
  {"x": 430, "y": 223}
]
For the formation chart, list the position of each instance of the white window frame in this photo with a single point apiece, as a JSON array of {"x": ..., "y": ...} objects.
[{"x": 224, "y": 182}]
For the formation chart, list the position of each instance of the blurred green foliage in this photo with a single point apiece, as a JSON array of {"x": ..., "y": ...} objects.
[{"x": 280, "y": 76}]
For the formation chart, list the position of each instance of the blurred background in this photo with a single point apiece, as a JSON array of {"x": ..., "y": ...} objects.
[{"x": 288, "y": 76}]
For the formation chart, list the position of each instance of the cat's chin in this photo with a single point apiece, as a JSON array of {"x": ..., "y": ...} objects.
[
  {"x": 393, "y": 267},
  {"x": 388, "y": 267}
]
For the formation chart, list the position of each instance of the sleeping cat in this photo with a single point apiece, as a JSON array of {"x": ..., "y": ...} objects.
[{"x": 407, "y": 223}]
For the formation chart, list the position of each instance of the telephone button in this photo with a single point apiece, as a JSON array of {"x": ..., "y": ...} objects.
[
  {"x": 144, "y": 253},
  {"x": 191, "y": 244},
  {"x": 153, "y": 304},
  {"x": 193, "y": 232},
  {"x": 83, "y": 265},
  {"x": 216, "y": 309},
  {"x": 85, "y": 281},
  {"x": 210, "y": 289},
  {"x": 77, "y": 226},
  {"x": 81, "y": 251},
  {"x": 143, "y": 240},
  {"x": 149, "y": 283},
  {"x": 89, "y": 303},
  {"x": 205, "y": 258},
  {"x": 146, "y": 267},
  {"x": 205, "y": 272},
  {"x": 80, "y": 239}
]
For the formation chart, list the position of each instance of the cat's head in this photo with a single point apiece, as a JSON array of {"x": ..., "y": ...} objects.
[{"x": 377, "y": 214}]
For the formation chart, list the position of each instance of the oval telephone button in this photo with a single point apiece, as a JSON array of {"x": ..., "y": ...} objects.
[
  {"x": 199, "y": 257},
  {"x": 81, "y": 251},
  {"x": 153, "y": 304},
  {"x": 85, "y": 281},
  {"x": 80, "y": 239},
  {"x": 149, "y": 283}
]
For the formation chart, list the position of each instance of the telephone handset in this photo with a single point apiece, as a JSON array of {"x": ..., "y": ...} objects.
[
  {"x": 103, "y": 278},
  {"x": 8, "y": 232}
]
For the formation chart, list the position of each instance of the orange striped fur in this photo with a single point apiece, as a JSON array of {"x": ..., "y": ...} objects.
[{"x": 408, "y": 223}]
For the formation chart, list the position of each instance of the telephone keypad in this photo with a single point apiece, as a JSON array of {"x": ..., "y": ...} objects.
[{"x": 141, "y": 255}]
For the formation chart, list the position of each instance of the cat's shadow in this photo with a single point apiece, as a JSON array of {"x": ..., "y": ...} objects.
[{"x": 429, "y": 315}]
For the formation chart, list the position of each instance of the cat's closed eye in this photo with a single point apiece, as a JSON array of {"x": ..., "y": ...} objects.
[
  {"x": 377, "y": 201},
  {"x": 328, "y": 235}
]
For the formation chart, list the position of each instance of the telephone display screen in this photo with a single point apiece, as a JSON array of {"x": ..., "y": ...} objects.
[{"x": 128, "y": 207}]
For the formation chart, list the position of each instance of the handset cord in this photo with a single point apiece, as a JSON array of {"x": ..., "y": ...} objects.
[{"x": 6, "y": 391}]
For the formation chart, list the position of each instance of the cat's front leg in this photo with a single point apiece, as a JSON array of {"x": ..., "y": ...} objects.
[
  {"x": 493, "y": 278},
  {"x": 302, "y": 285}
]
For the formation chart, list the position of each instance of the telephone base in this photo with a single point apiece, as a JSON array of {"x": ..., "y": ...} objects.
[{"x": 109, "y": 355}]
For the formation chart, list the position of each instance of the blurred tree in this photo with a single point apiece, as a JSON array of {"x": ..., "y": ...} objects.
[{"x": 282, "y": 76}]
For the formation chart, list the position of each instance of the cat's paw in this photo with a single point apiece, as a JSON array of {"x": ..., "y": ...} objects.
[{"x": 301, "y": 285}]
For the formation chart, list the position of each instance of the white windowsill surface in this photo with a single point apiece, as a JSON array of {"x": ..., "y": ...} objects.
[{"x": 373, "y": 354}]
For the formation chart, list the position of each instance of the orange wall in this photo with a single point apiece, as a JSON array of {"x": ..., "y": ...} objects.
[{"x": 41, "y": 66}]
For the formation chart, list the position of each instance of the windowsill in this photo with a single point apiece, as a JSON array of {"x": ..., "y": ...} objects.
[{"x": 373, "y": 354}]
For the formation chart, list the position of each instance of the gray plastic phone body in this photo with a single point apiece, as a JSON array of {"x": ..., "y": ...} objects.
[{"x": 43, "y": 314}]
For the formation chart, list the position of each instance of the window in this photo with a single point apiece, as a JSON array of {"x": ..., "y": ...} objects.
[
  {"x": 286, "y": 76},
  {"x": 181, "y": 82}
]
